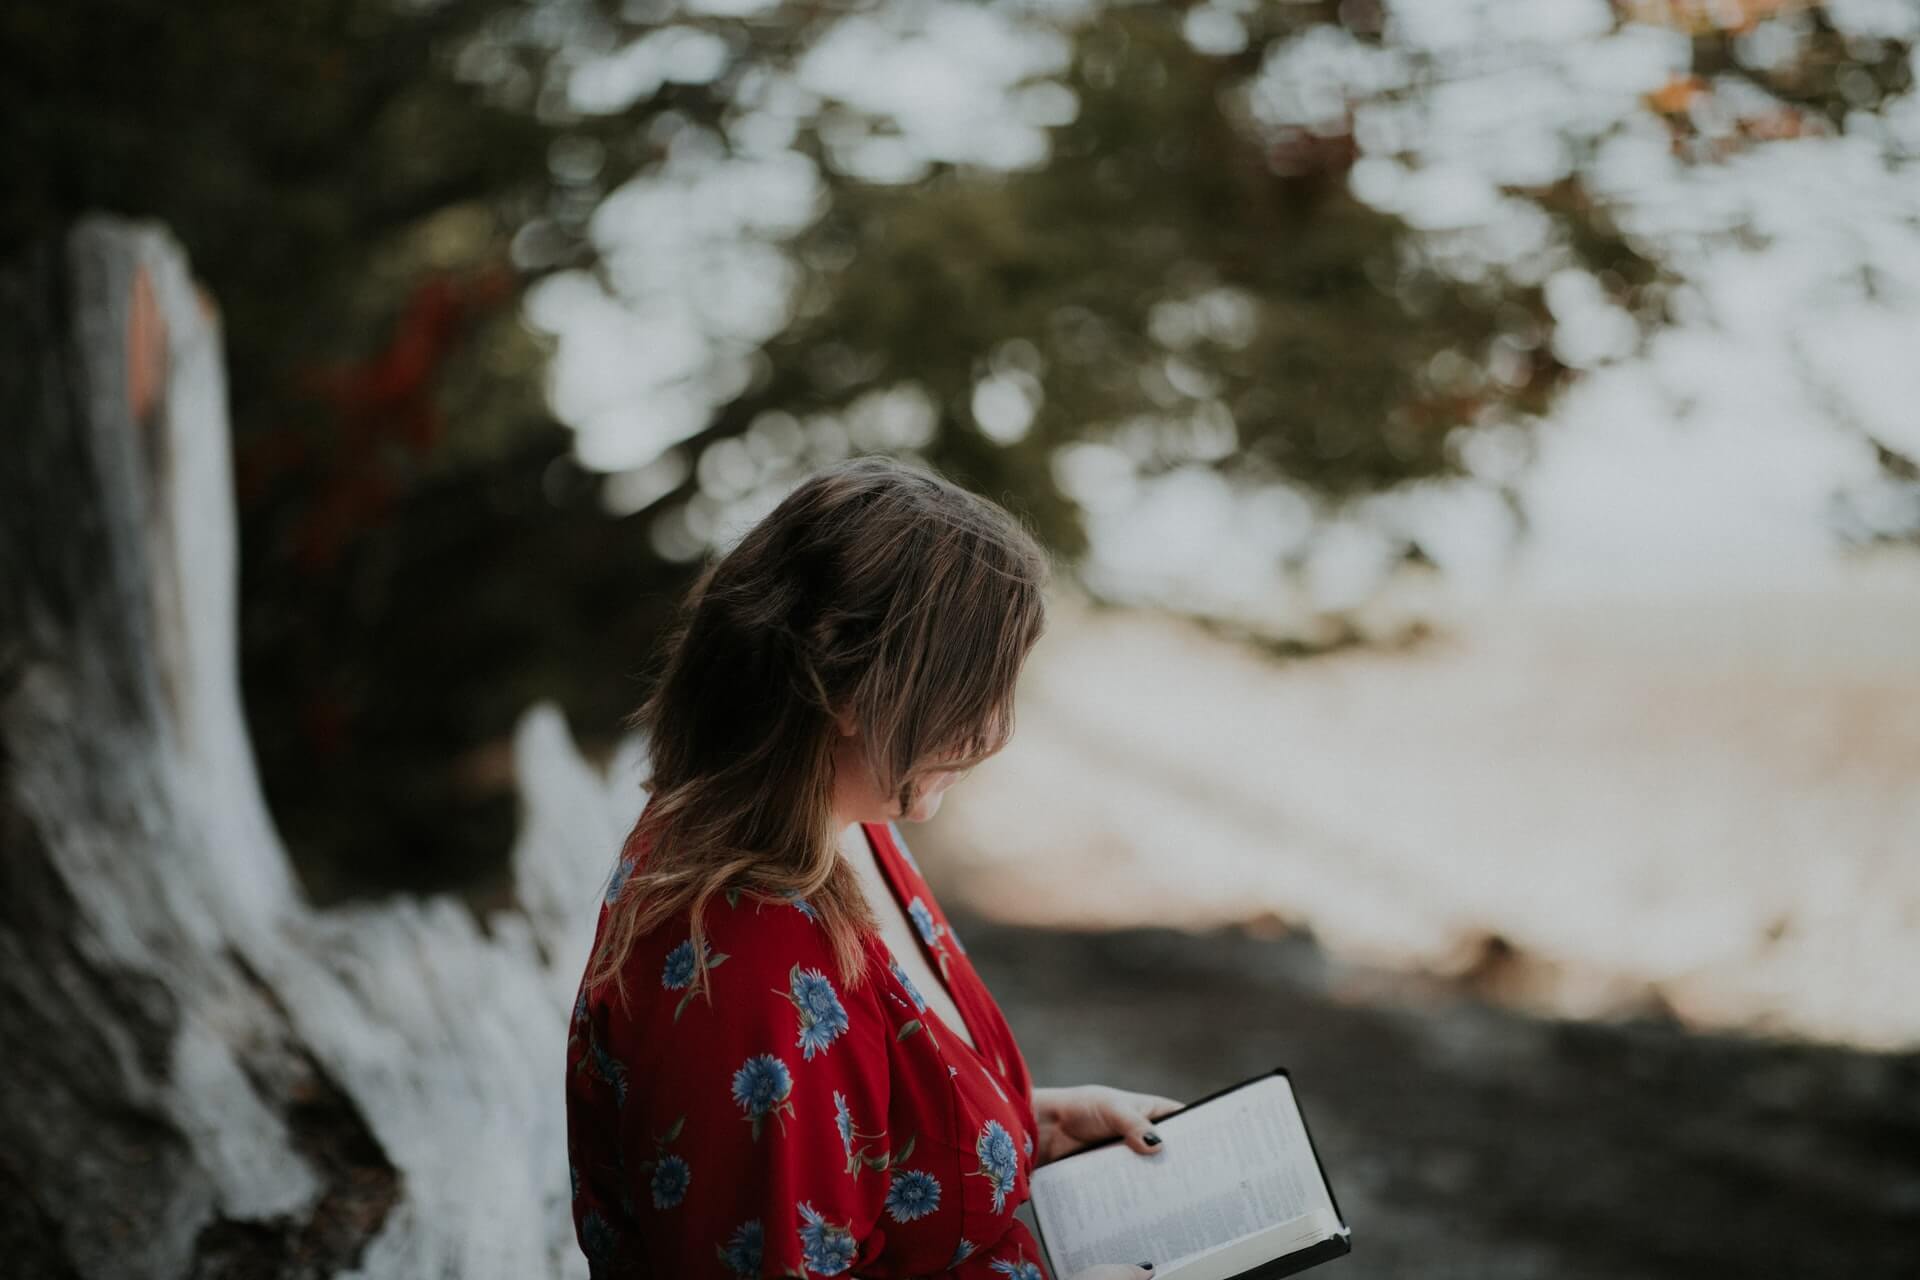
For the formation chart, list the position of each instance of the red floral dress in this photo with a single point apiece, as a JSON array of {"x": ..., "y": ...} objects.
[{"x": 793, "y": 1127}]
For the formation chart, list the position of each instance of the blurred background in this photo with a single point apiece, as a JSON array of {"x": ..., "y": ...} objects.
[{"x": 1477, "y": 438}]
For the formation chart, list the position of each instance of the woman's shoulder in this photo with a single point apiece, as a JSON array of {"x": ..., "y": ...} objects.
[
  {"x": 752, "y": 916},
  {"x": 773, "y": 985},
  {"x": 759, "y": 921},
  {"x": 751, "y": 941}
]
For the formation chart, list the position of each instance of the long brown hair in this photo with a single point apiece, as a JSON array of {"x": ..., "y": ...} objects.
[{"x": 876, "y": 590}]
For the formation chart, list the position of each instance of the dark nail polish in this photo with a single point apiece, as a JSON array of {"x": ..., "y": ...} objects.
[
  {"x": 1147, "y": 1265},
  {"x": 1152, "y": 1139}
]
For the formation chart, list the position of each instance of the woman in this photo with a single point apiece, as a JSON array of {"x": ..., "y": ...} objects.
[{"x": 781, "y": 1062}]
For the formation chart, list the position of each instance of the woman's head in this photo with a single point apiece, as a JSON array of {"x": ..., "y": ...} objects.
[{"x": 848, "y": 658}]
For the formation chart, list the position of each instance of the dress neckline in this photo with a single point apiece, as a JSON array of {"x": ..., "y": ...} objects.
[{"x": 889, "y": 871}]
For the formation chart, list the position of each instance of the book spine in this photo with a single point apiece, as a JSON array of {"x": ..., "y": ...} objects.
[{"x": 1327, "y": 1250}]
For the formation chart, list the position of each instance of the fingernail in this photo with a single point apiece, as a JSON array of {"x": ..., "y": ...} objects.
[
  {"x": 1148, "y": 1266},
  {"x": 1152, "y": 1139}
]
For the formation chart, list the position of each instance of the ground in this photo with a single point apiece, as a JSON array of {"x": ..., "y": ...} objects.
[{"x": 1468, "y": 1140}]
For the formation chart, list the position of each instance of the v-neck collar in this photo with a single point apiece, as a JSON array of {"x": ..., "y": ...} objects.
[{"x": 889, "y": 871}]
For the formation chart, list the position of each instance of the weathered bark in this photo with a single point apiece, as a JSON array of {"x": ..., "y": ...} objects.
[{"x": 204, "y": 1075}]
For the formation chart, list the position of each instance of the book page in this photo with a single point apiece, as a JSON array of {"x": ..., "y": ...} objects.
[
  {"x": 1232, "y": 1167},
  {"x": 1223, "y": 1262}
]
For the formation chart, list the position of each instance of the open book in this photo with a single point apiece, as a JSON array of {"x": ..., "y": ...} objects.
[{"x": 1237, "y": 1191}]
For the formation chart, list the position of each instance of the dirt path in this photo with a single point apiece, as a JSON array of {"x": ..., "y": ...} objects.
[{"x": 1463, "y": 1140}]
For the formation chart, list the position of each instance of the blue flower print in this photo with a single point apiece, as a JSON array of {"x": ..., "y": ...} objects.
[
  {"x": 670, "y": 1172},
  {"x": 621, "y": 871},
  {"x": 857, "y": 1160},
  {"x": 804, "y": 907},
  {"x": 744, "y": 1248},
  {"x": 607, "y": 1067},
  {"x": 912, "y": 1194},
  {"x": 597, "y": 1240},
  {"x": 924, "y": 922},
  {"x": 961, "y": 1252},
  {"x": 670, "y": 1178},
  {"x": 761, "y": 1087},
  {"x": 678, "y": 973},
  {"x": 843, "y": 1121},
  {"x": 822, "y": 1016},
  {"x": 1029, "y": 1146},
  {"x": 824, "y": 1247},
  {"x": 1017, "y": 1269},
  {"x": 900, "y": 976},
  {"x": 994, "y": 1147}
]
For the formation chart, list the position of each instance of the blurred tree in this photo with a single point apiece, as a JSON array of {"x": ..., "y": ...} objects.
[{"x": 368, "y": 186}]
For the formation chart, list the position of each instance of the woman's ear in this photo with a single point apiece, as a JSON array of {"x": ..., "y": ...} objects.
[{"x": 844, "y": 719}]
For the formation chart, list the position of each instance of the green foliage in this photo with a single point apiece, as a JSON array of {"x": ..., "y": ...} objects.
[{"x": 1157, "y": 195}]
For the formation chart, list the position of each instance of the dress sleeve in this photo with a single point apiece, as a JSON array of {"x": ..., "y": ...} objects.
[
  {"x": 1014, "y": 1256},
  {"x": 759, "y": 1148},
  {"x": 602, "y": 1210}
]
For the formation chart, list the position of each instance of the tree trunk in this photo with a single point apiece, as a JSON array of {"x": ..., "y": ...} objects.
[{"x": 205, "y": 1075}]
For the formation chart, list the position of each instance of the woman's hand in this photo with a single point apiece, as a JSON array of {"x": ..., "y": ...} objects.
[
  {"x": 1112, "y": 1271},
  {"x": 1069, "y": 1118}
]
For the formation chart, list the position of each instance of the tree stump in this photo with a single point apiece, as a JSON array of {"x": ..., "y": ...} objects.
[{"x": 205, "y": 1075}]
